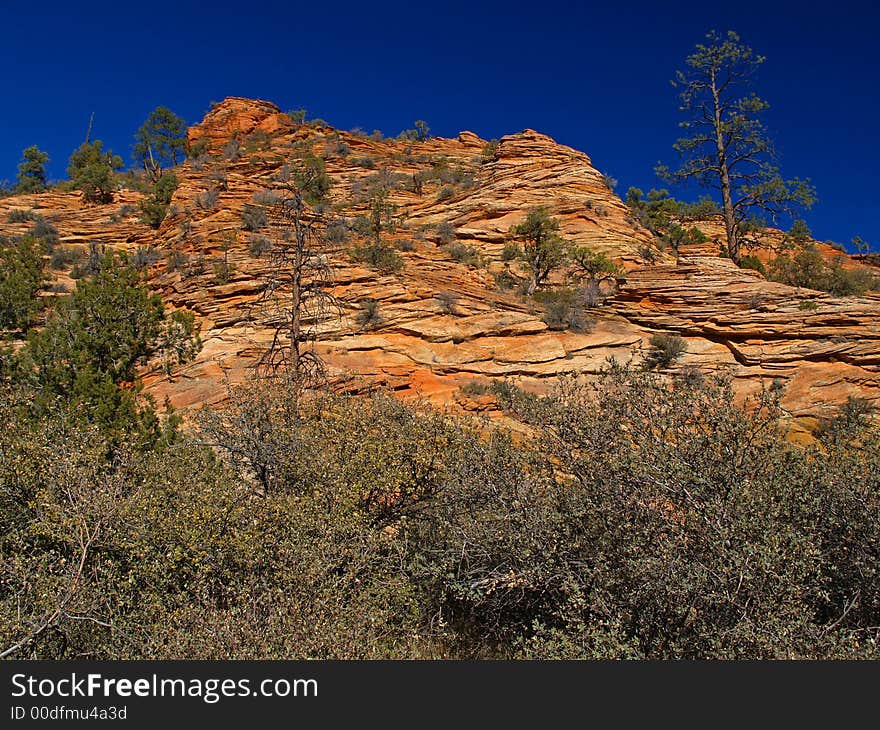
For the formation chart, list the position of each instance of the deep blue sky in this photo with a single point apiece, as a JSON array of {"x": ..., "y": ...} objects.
[{"x": 593, "y": 76}]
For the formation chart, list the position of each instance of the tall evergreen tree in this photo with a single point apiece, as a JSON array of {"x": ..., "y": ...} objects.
[
  {"x": 728, "y": 148},
  {"x": 160, "y": 142},
  {"x": 32, "y": 170}
]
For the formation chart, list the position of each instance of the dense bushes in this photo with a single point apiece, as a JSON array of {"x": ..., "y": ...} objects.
[
  {"x": 806, "y": 267},
  {"x": 21, "y": 278},
  {"x": 379, "y": 256},
  {"x": 643, "y": 518},
  {"x": 93, "y": 342},
  {"x": 688, "y": 528},
  {"x": 663, "y": 215}
]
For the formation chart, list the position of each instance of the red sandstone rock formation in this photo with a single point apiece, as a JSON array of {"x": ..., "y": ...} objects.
[{"x": 730, "y": 318}]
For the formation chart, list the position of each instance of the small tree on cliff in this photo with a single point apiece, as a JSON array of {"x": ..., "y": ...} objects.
[
  {"x": 91, "y": 170},
  {"x": 728, "y": 148},
  {"x": 160, "y": 142},
  {"x": 32, "y": 171},
  {"x": 155, "y": 206},
  {"x": 543, "y": 250}
]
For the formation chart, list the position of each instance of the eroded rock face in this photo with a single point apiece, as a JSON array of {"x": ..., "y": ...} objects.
[
  {"x": 237, "y": 117},
  {"x": 445, "y": 323}
]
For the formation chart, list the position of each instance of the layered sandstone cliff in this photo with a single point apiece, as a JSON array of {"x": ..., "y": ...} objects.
[{"x": 730, "y": 318}]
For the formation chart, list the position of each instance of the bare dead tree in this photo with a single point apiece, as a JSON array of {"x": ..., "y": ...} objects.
[
  {"x": 89, "y": 130},
  {"x": 296, "y": 297}
]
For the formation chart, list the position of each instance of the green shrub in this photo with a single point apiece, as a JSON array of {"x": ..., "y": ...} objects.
[
  {"x": 337, "y": 232},
  {"x": 124, "y": 211},
  {"x": 311, "y": 178},
  {"x": 44, "y": 231},
  {"x": 464, "y": 254},
  {"x": 446, "y": 233},
  {"x": 807, "y": 268},
  {"x": 564, "y": 309},
  {"x": 259, "y": 245},
  {"x": 448, "y": 302},
  {"x": 160, "y": 142},
  {"x": 380, "y": 183},
  {"x": 89, "y": 264},
  {"x": 143, "y": 257},
  {"x": 543, "y": 249},
  {"x": 154, "y": 208},
  {"x": 649, "y": 253},
  {"x": 369, "y": 315},
  {"x": 267, "y": 198},
  {"x": 208, "y": 200},
  {"x": 232, "y": 151},
  {"x": 177, "y": 260},
  {"x": 21, "y": 279},
  {"x": 752, "y": 262},
  {"x": 799, "y": 233},
  {"x": 658, "y": 474},
  {"x": 609, "y": 182},
  {"x": 596, "y": 266},
  {"x": 220, "y": 179},
  {"x": 378, "y": 256},
  {"x": 446, "y": 192},
  {"x": 257, "y": 141},
  {"x": 490, "y": 151},
  {"x": 253, "y": 218},
  {"x": 676, "y": 236},
  {"x": 339, "y": 148},
  {"x": 511, "y": 252},
  {"x": 88, "y": 354},
  {"x": 64, "y": 257},
  {"x": 505, "y": 281},
  {"x": 639, "y": 517},
  {"x": 21, "y": 215},
  {"x": 476, "y": 388},
  {"x": 362, "y": 226},
  {"x": 664, "y": 350},
  {"x": 197, "y": 149},
  {"x": 223, "y": 270},
  {"x": 32, "y": 171}
]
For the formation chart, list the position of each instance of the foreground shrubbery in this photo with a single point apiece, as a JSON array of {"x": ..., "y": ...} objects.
[{"x": 646, "y": 518}]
